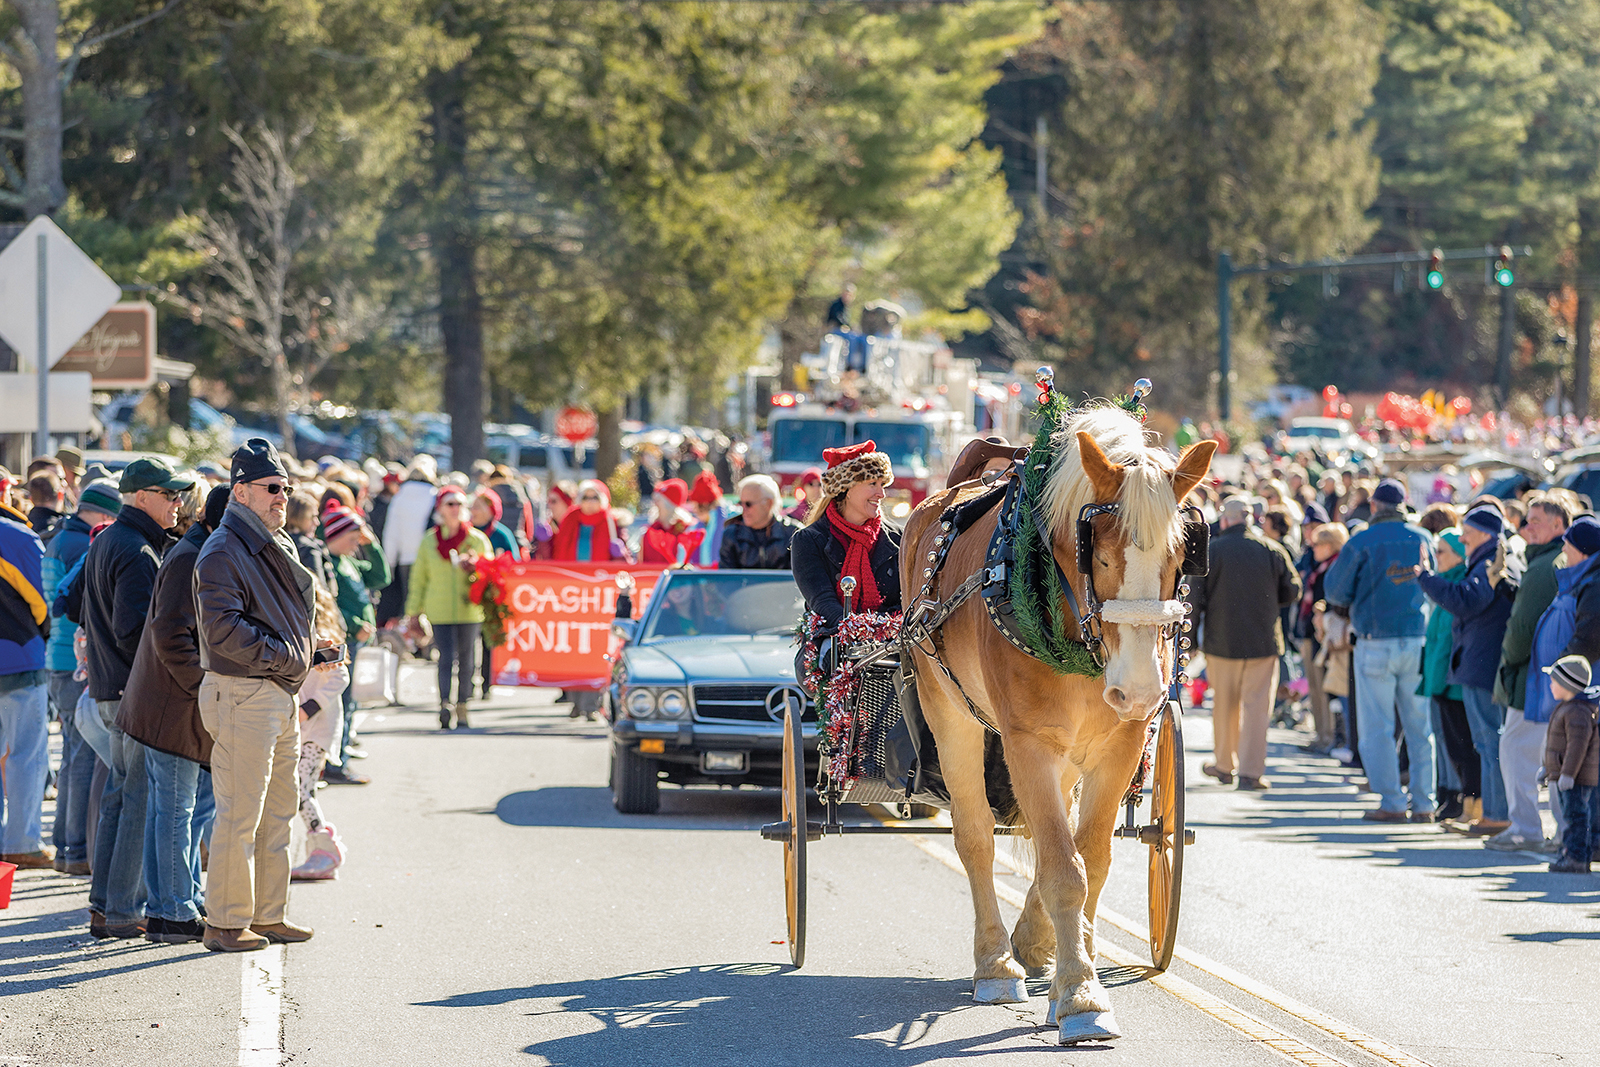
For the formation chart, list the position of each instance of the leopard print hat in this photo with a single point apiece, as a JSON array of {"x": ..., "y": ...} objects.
[{"x": 858, "y": 463}]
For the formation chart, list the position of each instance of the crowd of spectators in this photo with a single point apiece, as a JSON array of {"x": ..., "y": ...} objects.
[
  {"x": 194, "y": 634},
  {"x": 1420, "y": 644}
]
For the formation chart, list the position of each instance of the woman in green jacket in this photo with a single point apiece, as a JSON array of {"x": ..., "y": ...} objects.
[
  {"x": 1459, "y": 780},
  {"x": 440, "y": 581}
]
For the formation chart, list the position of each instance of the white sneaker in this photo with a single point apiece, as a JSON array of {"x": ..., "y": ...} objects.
[{"x": 324, "y": 855}]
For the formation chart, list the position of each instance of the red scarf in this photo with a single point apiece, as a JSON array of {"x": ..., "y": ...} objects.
[
  {"x": 564, "y": 546},
  {"x": 448, "y": 545},
  {"x": 858, "y": 542}
]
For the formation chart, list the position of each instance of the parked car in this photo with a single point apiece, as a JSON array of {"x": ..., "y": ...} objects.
[
  {"x": 546, "y": 458},
  {"x": 1332, "y": 438},
  {"x": 701, "y": 684},
  {"x": 114, "y": 461},
  {"x": 1579, "y": 470}
]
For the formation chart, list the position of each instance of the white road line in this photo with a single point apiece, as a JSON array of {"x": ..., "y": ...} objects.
[
  {"x": 261, "y": 1007},
  {"x": 1249, "y": 1025}
]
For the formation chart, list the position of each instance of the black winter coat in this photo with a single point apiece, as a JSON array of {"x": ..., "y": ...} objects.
[
  {"x": 161, "y": 708},
  {"x": 1586, "y": 632},
  {"x": 757, "y": 550},
  {"x": 817, "y": 556},
  {"x": 119, "y": 575},
  {"x": 1238, "y": 602}
]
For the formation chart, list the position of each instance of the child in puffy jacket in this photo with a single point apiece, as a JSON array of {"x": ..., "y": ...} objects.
[{"x": 1572, "y": 762}]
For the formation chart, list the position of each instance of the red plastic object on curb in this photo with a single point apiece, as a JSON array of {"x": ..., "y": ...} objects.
[
  {"x": 6, "y": 871},
  {"x": 1197, "y": 692}
]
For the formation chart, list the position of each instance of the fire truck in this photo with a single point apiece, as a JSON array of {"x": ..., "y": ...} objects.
[{"x": 910, "y": 397}]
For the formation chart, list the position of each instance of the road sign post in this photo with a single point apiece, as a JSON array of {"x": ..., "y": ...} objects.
[{"x": 41, "y": 439}]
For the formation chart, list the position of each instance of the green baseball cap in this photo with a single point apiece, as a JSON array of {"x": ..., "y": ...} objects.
[{"x": 146, "y": 473}]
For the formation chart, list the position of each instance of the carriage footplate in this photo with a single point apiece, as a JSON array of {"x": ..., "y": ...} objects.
[{"x": 779, "y": 831}]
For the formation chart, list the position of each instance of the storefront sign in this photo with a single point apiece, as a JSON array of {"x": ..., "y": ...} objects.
[
  {"x": 119, "y": 351},
  {"x": 559, "y": 632}
]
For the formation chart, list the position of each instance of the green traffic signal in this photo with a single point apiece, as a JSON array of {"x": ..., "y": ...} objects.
[
  {"x": 1503, "y": 277},
  {"x": 1436, "y": 279}
]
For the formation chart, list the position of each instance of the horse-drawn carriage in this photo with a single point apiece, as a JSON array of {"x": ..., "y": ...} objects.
[{"x": 1012, "y": 695}]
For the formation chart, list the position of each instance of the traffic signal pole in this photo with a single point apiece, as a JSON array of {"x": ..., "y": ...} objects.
[{"x": 1226, "y": 272}]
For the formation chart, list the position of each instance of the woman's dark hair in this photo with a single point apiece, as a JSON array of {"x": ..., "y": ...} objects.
[
  {"x": 216, "y": 504},
  {"x": 1438, "y": 518}
]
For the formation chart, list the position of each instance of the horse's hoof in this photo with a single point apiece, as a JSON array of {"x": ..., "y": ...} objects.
[
  {"x": 999, "y": 991},
  {"x": 1086, "y": 1026}
]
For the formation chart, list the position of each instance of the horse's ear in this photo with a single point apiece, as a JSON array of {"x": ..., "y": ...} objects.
[
  {"x": 1105, "y": 476},
  {"x": 1192, "y": 466}
]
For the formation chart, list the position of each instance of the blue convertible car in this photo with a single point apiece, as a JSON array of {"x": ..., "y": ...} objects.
[{"x": 700, "y": 686}]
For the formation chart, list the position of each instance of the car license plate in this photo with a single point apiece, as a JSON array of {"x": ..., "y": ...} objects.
[{"x": 723, "y": 762}]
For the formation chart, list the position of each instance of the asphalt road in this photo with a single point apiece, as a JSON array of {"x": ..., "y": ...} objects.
[{"x": 496, "y": 909}]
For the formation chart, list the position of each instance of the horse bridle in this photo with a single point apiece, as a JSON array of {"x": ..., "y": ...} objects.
[{"x": 1171, "y": 617}]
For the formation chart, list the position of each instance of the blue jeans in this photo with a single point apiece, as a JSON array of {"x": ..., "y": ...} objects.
[
  {"x": 1485, "y": 717},
  {"x": 116, "y": 889},
  {"x": 176, "y": 818},
  {"x": 71, "y": 832},
  {"x": 1388, "y": 673},
  {"x": 1581, "y": 806},
  {"x": 25, "y": 742}
]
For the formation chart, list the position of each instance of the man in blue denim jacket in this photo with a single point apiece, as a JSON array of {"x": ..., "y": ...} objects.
[{"x": 1375, "y": 578}]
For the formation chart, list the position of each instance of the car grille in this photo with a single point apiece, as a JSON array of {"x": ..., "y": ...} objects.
[{"x": 737, "y": 703}]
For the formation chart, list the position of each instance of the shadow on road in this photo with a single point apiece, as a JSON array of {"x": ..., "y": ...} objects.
[
  {"x": 768, "y": 1014},
  {"x": 681, "y": 809},
  {"x": 55, "y": 951}
]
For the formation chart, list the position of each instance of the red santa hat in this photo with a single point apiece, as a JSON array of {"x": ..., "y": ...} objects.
[{"x": 673, "y": 489}]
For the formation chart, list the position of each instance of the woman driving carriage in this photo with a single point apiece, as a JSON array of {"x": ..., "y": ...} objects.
[{"x": 845, "y": 535}]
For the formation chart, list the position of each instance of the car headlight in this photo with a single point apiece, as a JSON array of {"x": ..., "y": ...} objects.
[
  {"x": 672, "y": 705},
  {"x": 641, "y": 703}
]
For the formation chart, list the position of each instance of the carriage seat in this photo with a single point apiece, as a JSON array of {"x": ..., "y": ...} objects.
[{"x": 981, "y": 455}]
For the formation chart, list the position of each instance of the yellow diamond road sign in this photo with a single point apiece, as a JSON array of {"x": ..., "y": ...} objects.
[{"x": 78, "y": 293}]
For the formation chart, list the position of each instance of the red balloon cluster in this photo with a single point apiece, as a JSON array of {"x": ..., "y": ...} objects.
[{"x": 1405, "y": 411}]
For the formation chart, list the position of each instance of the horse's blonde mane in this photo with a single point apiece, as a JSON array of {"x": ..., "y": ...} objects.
[{"x": 1149, "y": 511}]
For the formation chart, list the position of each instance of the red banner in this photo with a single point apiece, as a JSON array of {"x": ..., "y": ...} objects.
[{"x": 559, "y": 632}]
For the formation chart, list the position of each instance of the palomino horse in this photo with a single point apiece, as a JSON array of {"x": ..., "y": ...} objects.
[{"x": 1058, "y": 730}]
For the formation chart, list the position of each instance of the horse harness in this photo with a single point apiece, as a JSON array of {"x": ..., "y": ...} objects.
[{"x": 924, "y": 624}]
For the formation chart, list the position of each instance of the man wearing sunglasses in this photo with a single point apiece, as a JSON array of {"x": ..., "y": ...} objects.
[
  {"x": 758, "y": 538},
  {"x": 119, "y": 574},
  {"x": 254, "y": 607}
]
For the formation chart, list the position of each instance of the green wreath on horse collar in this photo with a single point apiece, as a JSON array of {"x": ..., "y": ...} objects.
[{"x": 1037, "y": 598}]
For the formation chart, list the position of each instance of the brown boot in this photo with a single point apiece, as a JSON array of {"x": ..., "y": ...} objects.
[
  {"x": 1471, "y": 812},
  {"x": 42, "y": 859},
  {"x": 284, "y": 933},
  {"x": 219, "y": 940}
]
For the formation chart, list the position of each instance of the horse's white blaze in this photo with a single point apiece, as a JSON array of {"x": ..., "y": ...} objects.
[{"x": 1135, "y": 685}]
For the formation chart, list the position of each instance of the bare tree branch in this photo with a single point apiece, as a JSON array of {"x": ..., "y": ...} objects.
[{"x": 86, "y": 43}]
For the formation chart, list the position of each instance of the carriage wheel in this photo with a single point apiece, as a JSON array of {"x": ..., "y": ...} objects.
[
  {"x": 1166, "y": 851},
  {"x": 794, "y": 846}
]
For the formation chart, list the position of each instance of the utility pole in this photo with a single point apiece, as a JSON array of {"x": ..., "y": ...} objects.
[
  {"x": 1041, "y": 163},
  {"x": 1224, "y": 336},
  {"x": 1580, "y": 355},
  {"x": 1508, "y": 334}
]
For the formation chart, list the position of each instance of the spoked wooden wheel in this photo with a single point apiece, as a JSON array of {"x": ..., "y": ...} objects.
[
  {"x": 794, "y": 846},
  {"x": 1166, "y": 844}
]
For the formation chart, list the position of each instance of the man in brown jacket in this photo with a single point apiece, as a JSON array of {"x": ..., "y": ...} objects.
[
  {"x": 254, "y": 604},
  {"x": 1237, "y": 606},
  {"x": 160, "y": 710}
]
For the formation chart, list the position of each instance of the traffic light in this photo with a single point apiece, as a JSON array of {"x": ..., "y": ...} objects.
[
  {"x": 1502, "y": 268},
  {"x": 1435, "y": 275}
]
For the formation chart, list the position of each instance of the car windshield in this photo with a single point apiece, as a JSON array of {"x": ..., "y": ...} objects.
[
  {"x": 723, "y": 604},
  {"x": 802, "y": 440},
  {"x": 905, "y": 442},
  {"x": 1315, "y": 431}
]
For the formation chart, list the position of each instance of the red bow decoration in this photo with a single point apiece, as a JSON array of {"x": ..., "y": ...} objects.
[{"x": 836, "y": 456}]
